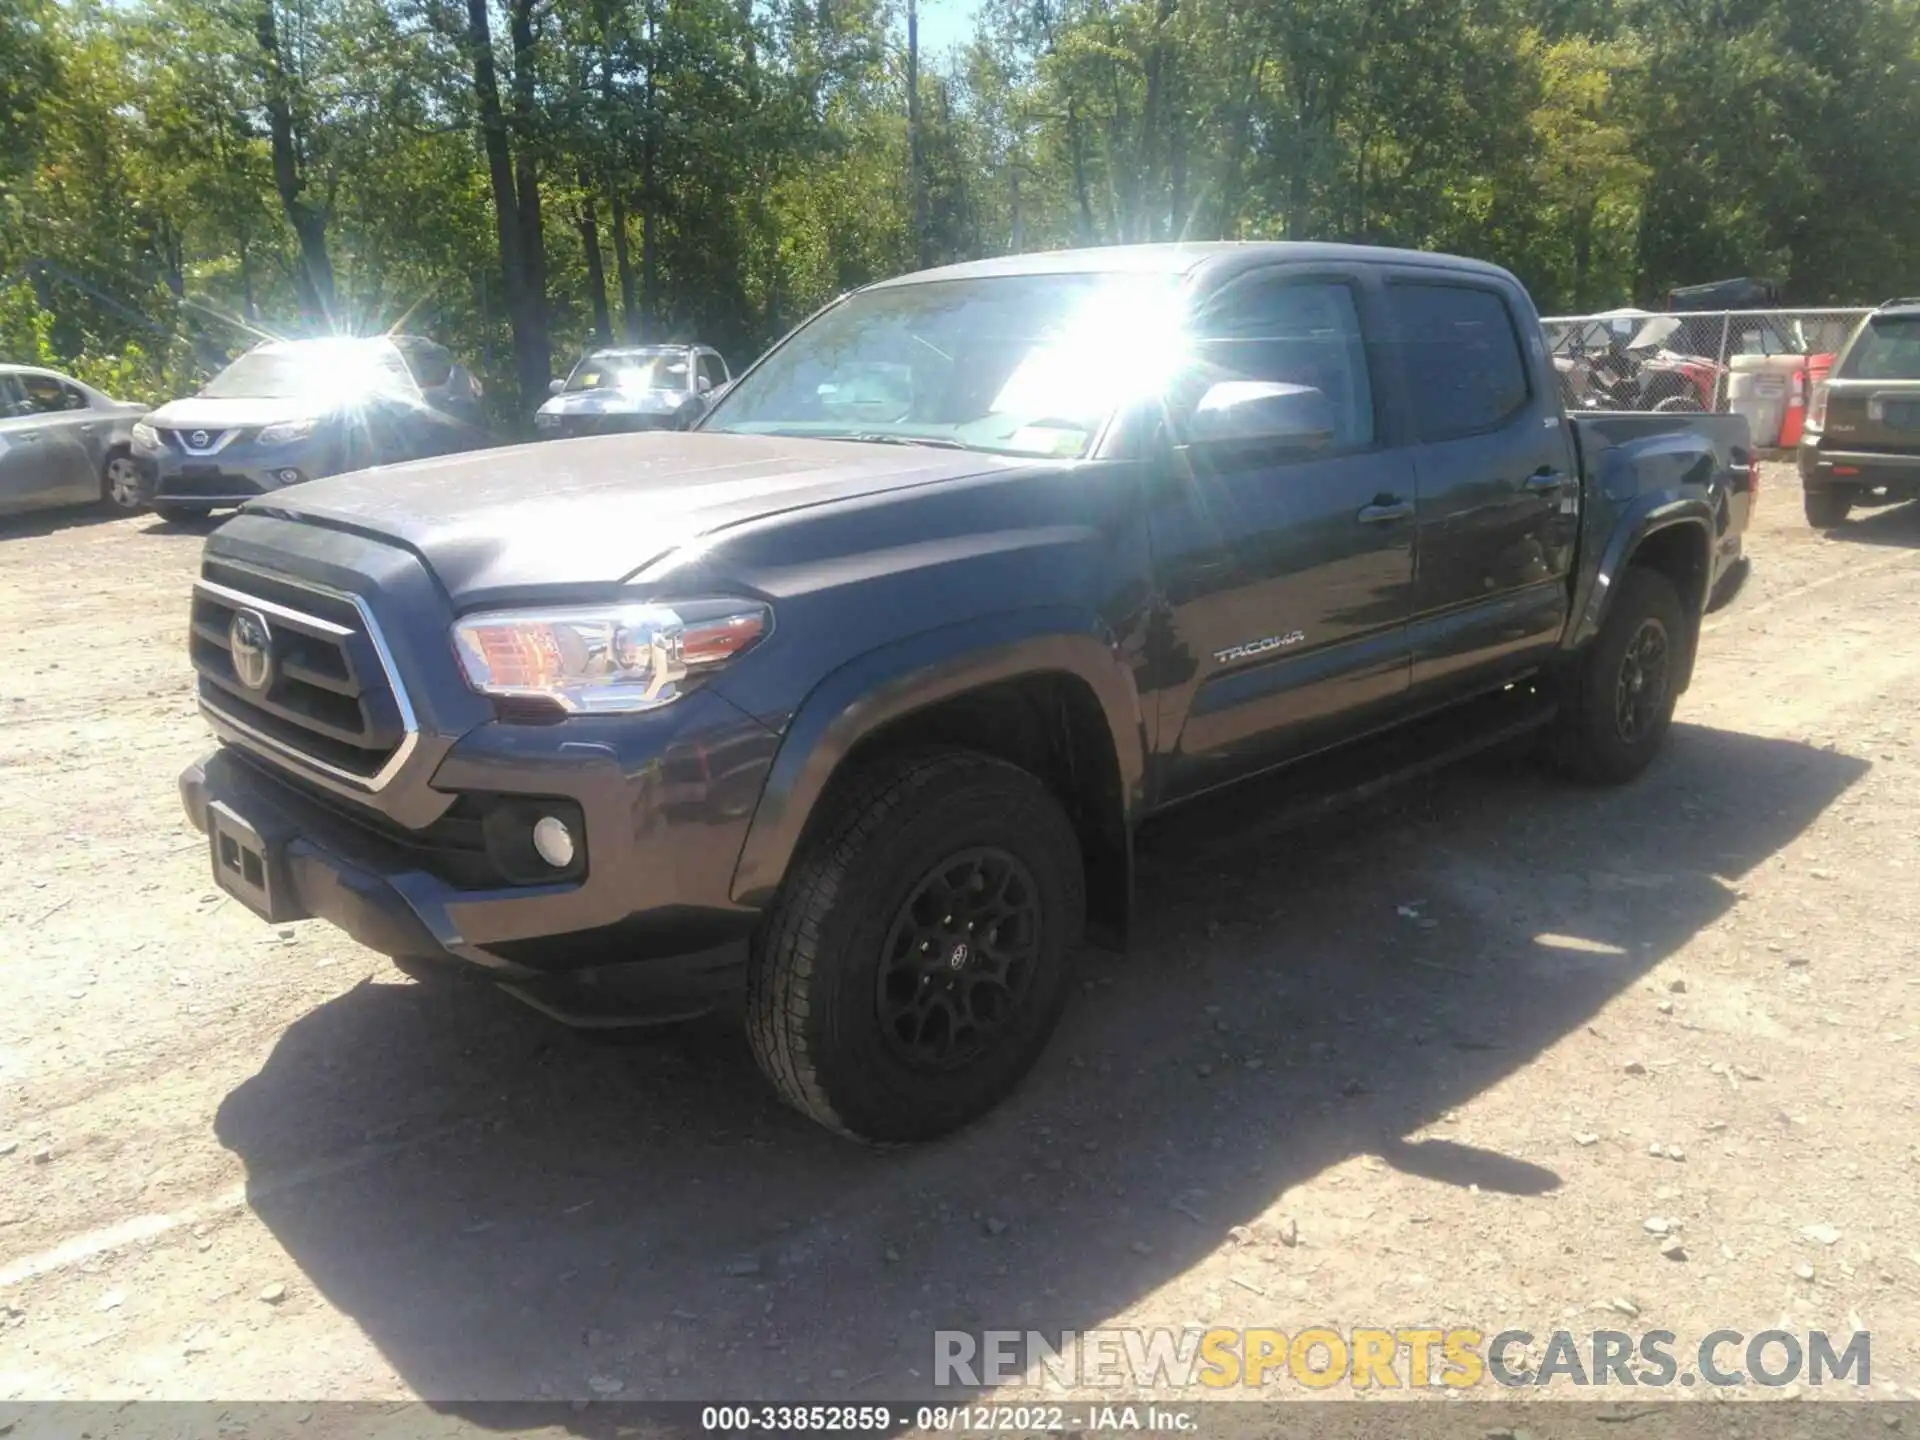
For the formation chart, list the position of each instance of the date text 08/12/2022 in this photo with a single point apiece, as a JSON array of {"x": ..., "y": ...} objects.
[{"x": 947, "y": 1419}]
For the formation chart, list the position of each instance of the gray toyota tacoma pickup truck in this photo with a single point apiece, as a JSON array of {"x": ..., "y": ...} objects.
[{"x": 849, "y": 703}]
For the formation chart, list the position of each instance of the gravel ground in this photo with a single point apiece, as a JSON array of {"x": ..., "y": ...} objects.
[{"x": 1439, "y": 1062}]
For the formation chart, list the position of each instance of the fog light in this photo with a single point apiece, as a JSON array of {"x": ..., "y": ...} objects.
[
  {"x": 553, "y": 842},
  {"x": 287, "y": 477}
]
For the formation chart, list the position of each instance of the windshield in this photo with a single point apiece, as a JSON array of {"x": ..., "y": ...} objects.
[
  {"x": 318, "y": 370},
  {"x": 1888, "y": 349},
  {"x": 1017, "y": 364},
  {"x": 630, "y": 370}
]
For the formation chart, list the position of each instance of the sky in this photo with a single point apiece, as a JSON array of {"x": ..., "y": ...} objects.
[{"x": 946, "y": 24}]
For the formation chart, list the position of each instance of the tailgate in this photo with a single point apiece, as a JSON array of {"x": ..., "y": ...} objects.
[{"x": 1873, "y": 415}]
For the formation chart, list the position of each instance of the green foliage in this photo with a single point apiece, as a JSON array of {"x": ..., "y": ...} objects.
[{"x": 750, "y": 159}]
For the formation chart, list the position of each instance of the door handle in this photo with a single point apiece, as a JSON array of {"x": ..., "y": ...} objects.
[
  {"x": 1545, "y": 482},
  {"x": 1385, "y": 509}
]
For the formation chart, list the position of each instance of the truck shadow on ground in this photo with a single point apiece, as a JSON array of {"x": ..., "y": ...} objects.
[
  {"x": 510, "y": 1212},
  {"x": 1897, "y": 525},
  {"x": 34, "y": 524}
]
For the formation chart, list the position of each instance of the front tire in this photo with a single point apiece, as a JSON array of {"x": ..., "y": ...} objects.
[
  {"x": 921, "y": 950},
  {"x": 120, "y": 487},
  {"x": 181, "y": 514},
  {"x": 1619, "y": 704},
  {"x": 1827, "y": 508}
]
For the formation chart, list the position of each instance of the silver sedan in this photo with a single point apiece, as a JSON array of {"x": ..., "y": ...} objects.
[{"x": 64, "y": 443}]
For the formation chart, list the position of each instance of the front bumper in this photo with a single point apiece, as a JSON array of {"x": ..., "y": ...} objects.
[
  {"x": 1824, "y": 468},
  {"x": 659, "y": 840},
  {"x": 225, "y": 480}
]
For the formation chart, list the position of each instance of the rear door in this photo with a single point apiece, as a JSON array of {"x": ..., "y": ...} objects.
[
  {"x": 1286, "y": 576},
  {"x": 1498, "y": 487}
]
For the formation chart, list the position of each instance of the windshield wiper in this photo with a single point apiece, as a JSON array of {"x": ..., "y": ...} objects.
[{"x": 878, "y": 437}]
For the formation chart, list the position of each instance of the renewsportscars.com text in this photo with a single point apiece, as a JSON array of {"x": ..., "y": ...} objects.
[{"x": 1392, "y": 1359}]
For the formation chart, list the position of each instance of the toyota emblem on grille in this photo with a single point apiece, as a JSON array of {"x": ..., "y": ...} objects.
[
  {"x": 250, "y": 644},
  {"x": 199, "y": 439}
]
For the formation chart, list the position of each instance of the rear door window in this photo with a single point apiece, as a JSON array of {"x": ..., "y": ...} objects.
[
  {"x": 1888, "y": 349},
  {"x": 1465, "y": 370},
  {"x": 431, "y": 365}
]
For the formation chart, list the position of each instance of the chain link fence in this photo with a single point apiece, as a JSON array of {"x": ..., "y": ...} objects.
[{"x": 1759, "y": 363}]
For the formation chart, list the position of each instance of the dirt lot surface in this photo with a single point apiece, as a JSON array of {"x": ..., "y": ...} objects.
[{"x": 1439, "y": 1062}]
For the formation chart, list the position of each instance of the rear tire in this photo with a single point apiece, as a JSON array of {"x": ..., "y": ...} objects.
[
  {"x": 920, "y": 953},
  {"x": 1620, "y": 699},
  {"x": 1827, "y": 508}
]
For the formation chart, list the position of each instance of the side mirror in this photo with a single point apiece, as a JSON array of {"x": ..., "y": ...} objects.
[
  {"x": 1262, "y": 413},
  {"x": 703, "y": 385},
  {"x": 554, "y": 387}
]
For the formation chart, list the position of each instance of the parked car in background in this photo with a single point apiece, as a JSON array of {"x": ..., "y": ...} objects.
[
  {"x": 64, "y": 443},
  {"x": 633, "y": 387},
  {"x": 289, "y": 411},
  {"x": 1861, "y": 444}
]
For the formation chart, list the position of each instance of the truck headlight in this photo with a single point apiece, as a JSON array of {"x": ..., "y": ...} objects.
[
  {"x": 145, "y": 438},
  {"x": 605, "y": 659}
]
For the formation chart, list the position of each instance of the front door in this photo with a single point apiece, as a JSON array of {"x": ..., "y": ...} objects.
[
  {"x": 1499, "y": 491},
  {"x": 1285, "y": 575}
]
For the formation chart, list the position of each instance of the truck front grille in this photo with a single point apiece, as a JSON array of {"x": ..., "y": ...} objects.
[{"x": 300, "y": 673}]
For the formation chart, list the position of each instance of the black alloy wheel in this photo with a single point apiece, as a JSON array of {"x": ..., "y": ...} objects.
[
  {"x": 1640, "y": 693},
  {"x": 959, "y": 959}
]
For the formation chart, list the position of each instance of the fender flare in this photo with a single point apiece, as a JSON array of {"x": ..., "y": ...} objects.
[
  {"x": 894, "y": 680},
  {"x": 1646, "y": 516}
]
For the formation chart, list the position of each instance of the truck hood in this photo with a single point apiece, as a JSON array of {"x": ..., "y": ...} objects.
[{"x": 593, "y": 511}]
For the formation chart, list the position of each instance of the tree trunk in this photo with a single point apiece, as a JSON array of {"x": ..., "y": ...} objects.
[
  {"x": 649, "y": 198},
  {"x": 917, "y": 175},
  {"x": 1582, "y": 252},
  {"x": 1153, "y": 107},
  {"x": 623, "y": 267},
  {"x": 313, "y": 281},
  {"x": 530, "y": 361},
  {"x": 1077, "y": 139},
  {"x": 1297, "y": 178},
  {"x": 526, "y": 174},
  {"x": 1018, "y": 240},
  {"x": 596, "y": 263}
]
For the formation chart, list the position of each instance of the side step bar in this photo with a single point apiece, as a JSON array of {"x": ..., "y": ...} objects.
[{"x": 1313, "y": 789}]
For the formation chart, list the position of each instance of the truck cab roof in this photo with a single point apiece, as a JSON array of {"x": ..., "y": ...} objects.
[{"x": 1181, "y": 259}]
